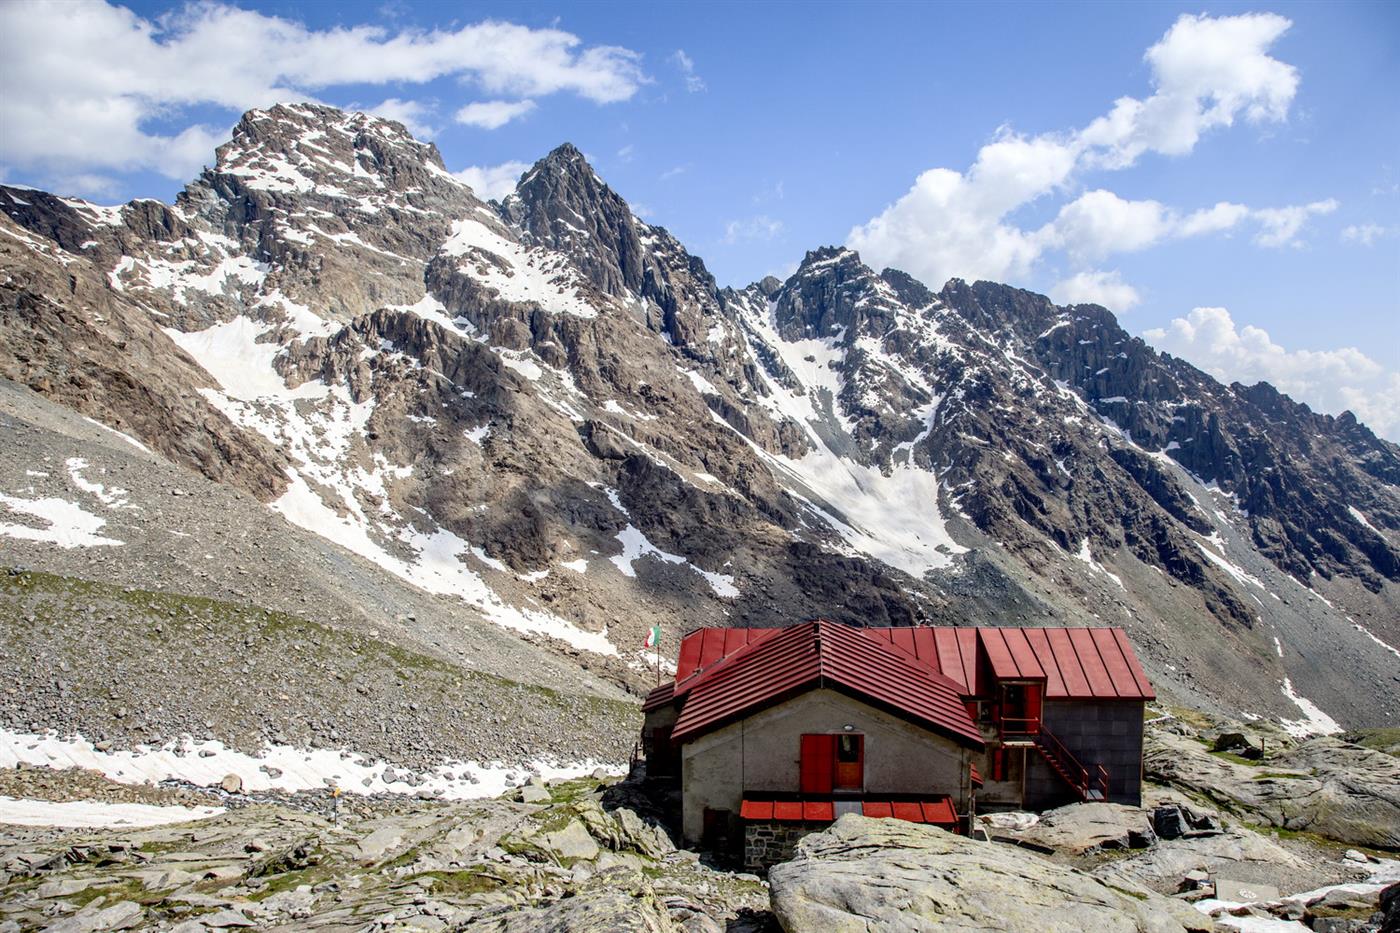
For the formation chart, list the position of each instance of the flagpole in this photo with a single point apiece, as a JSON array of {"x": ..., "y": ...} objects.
[{"x": 658, "y": 655}]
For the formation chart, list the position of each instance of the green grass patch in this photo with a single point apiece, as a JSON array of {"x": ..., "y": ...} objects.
[
  {"x": 290, "y": 881},
  {"x": 50, "y": 597},
  {"x": 474, "y": 880},
  {"x": 1381, "y": 740},
  {"x": 1317, "y": 839}
]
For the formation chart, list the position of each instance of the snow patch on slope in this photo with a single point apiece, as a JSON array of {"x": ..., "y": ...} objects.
[
  {"x": 516, "y": 272},
  {"x": 1087, "y": 556},
  {"x": 318, "y": 425},
  {"x": 1313, "y": 722},
  {"x": 69, "y": 525},
  {"x": 74, "y": 814},
  {"x": 892, "y": 517},
  {"x": 300, "y": 768}
]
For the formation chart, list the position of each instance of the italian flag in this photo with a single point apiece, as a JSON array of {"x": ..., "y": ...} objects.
[{"x": 653, "y": 636}]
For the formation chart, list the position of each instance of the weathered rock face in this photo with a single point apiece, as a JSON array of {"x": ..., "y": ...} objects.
[
  {"x": 1292, "y": 472},
  {"x": 491, "y": 866},
  {"x": 1324, "y": 786},
  {"x": 546, "y": 408},
  {"x": 1084, "y": 828},
  {"x": 871, "y": 875},
  {"x": 1237, "y": 853}
]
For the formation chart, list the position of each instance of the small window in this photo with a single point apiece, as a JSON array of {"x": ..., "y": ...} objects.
[{"x": 848, "y": 748}]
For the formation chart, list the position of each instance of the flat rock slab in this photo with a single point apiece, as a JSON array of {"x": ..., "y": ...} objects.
[
  {"x": 1089, "y": 827},
  {"x": 1236, "y": 853},
  {"x": 868, "y": 875}
]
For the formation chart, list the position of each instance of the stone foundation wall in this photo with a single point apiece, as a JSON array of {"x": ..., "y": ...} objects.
[{"x": 768, "y": 843}]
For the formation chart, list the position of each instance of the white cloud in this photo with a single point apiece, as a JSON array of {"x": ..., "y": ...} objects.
[
  {"x": 625, "y": 153},
  {"x": 86, "y": 185},
  {"x": 1095, "y": 287},
  {"x": 86, "y": 82},
  {"x": 1099, "y": 223},
  {"x": 493, "y": 114},
  {"x": 1330, "y": 381},
  {"x": 1365, "y": 234},
  {"x": 413, "y": 114},
  {"x": 1207, "y": 72},
  {"x": 1282, "y": 224},
  {"x": 761, "y": 228},
  {"x": 693, "y": 82},
  {"x": 493, "y": 182}
]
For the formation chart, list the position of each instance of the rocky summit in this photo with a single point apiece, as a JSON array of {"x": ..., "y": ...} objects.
[
  {"x": 543, "y": 417},
  {"x": 333, "y": 478}
]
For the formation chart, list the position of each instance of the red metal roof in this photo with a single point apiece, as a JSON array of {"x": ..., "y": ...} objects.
[
  {"x": 704, "y": 647},
  {"x": 1076, "y": 663},
  {"x": 770, "y": 669},
  {"x": 659, "y": 697}
]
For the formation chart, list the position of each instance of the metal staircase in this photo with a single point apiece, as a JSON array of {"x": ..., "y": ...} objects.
[{"x": 1088, "y": 784}]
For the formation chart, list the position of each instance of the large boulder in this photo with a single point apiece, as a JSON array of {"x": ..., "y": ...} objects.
[
  {"x": 1084, "y": 828},
  {"x": 1236, "y": 853},
  {"x": 866, "y": 875},
  {"x": 1244, "y": 744}
]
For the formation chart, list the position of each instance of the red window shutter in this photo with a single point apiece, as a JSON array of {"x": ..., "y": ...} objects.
[
  {"x": 1033, "y": 702},
  {"x": 818, "y": 763},
  {"x": 999, "y": 764}
]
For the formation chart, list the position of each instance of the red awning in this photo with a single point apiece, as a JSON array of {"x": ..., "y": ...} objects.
[
  {"x": 795, "y": 811},
  {"x": 938, "y": 810}
]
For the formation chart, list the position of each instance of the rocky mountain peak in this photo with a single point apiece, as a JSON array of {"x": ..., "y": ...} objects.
[
  {"x": 549, "y": 387},
  {"x": 300, "y": 148},
  {"x": 562, "y": 204},
  {"x": 833, "y": 294}
]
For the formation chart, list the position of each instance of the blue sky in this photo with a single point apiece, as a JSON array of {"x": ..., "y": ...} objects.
[{"x": 1260, "y": 241}]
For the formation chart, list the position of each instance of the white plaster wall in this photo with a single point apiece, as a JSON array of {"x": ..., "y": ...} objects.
[{"x": 763, "y": 753}]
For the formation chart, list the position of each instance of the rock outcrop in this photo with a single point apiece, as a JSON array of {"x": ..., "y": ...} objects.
[
  {"x": 491, "y": 866},
  {"x": 546, "y": 409},
  {"x": 1324, "y": 785},
  {"x": 870, "y": 875}
]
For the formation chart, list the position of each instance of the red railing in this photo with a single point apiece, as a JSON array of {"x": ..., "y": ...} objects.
[
  {"x": 1063, "y": 761},
  {"x": 1012, "y": 725}
]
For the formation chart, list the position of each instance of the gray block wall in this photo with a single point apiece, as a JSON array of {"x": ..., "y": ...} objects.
[{"x": 1106, "y": 732}]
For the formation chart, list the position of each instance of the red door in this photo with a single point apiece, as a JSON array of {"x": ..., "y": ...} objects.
[
  {"x": 818, "y": 763},
  {"x": 850, "y": 762}
]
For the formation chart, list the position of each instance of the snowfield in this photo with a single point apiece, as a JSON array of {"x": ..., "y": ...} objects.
[
  {"x": 69, "y": 525},
  {"x": 79, "y": 814},
  {"x": 300, "y": 769}
]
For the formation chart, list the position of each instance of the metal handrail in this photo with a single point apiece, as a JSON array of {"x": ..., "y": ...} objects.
[
  {"x": 1031, "y": 725},
  {"x": 1066, "y": 759}
]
